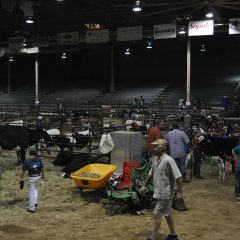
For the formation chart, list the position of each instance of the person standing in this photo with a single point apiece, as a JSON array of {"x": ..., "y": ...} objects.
[
  {"x": 197, "y": 155},
  {"x": 34, "y": 167},
  {"x": 40, "y": 123},
  {"x": 177, "y": 140},
  {"x": 166, "y": 176},
  {"x": 236, "y": 155},
  {"x": 154, "y": 133}
]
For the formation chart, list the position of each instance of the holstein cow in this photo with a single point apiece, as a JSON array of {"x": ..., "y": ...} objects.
[
  {"x": 75, "y": 161},
  {"x": 221, "y": 148},
  {"x": 68, "y": 141},
  {"x": 71, "y": 161},
  {"x": 22, "y": 137}
]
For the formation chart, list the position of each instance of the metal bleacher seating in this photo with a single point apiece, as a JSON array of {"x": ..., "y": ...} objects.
[{"x": 124, "y": 96}]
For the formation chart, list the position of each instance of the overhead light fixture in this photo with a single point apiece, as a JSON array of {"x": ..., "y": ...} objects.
[
  {"x": 182, "y": 31},
  {"x": 203, "y": 48},
  {"x": 59, "y": 0},
  {"x": 149, "y": 45},
  {"x": 29, "y": 20},
  {"x": 10, "y": 59},
  {"x": 24, "y": 43},
  {"x": 64, "y": 56},
  {"x": 127, "y": 52},
  {"x": 209, "y": 15},
  {"x": 137, "y": 7}
]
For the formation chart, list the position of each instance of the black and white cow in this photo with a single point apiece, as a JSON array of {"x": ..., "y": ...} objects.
[
  {"x": 219, "y": 148},
  {"x": 69, "y": 141},
  {"x": 71, "y": 161},
  {"x": 22, "y": 137},
  {"x": 75, "y": 161}
]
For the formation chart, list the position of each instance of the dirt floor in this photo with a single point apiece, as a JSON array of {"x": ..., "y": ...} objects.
[{"x": 213, "y": 212}]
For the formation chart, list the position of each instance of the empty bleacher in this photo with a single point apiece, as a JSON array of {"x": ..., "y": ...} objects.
[
  {"x": 124, "y": 96},
  {"x": 206, "y": 91},
  {"x": 71, "y": 95}
]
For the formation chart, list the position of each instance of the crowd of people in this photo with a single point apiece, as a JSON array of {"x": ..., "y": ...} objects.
[
  {"x": 168, "y": 166},
  {"x": 137, "y": 103},
  {"x": 167, "y": 155}
]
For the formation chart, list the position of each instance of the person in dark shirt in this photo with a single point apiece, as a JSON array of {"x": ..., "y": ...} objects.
[
  {"x": 34, "y": 167},
  {"x": 40, "y": 123}
]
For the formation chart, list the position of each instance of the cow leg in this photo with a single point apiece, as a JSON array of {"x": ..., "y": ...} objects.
[
  {"x": 18, "y": 156},
  {"x": 221, "y": 166},
  {"x": 22, "y": 155}
]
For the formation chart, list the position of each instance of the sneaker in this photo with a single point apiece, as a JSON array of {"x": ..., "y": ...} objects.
[
  {"x": 238, "y": 201},
  {"x": 36, "y": 206},
  {"x": 31, "y": 211},
  {"x": 172, "y": 237}
]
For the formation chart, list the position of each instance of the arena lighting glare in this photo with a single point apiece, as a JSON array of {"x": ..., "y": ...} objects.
[
  {"x": 209, "y": 15},
  {"x": 149, "y": 45},
  {"x": 137, "y": 7},
  {"x": 64, "y": 56},
  {"x": 127, "y": 52},
  {"x": 203, "y": 48},
  {"x": 29, "y": 20},
  {"x": 59, "y": 0},
  {"x": 24, "y": 43},
  {"x": 10, "y": 59},
  {"x": 182, "y": 31}
]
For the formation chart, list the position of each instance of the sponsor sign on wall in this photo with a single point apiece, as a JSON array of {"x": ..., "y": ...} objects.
[
  {"x": 15, "y": 42},
  {"x": 200, "y": 28},
  {"x": 164, "y": 31},
  {"x": 129, "y": 33},
  {"x": 97, "y": 36},
  {"x": 234, "y": 26},
  {"x": 68, "y": 38}
]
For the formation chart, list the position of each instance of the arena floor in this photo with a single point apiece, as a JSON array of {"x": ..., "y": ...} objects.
[{"x": 213, "y": 212}]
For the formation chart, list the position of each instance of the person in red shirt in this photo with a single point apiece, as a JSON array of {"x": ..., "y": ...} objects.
[{"x": 154, "y": 133}]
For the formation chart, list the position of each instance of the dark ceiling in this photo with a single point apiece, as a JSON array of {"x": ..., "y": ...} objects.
[{"x": 52, "y": 16}]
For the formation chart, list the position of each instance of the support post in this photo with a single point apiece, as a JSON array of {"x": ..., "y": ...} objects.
[
  {"x": 112, "y": 85},
  {"x": 9, "y": 78},
  {"x": 36, "y": 83},
  {"x": 188, "y": 69}
]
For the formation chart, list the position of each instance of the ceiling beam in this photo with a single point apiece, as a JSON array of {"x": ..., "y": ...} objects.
[
  {"x": 227, "y": 7},
  {"x": 156, "y": 4},
  {"x": 108, "y": 9},
  {"x": 167, "y": 10}
]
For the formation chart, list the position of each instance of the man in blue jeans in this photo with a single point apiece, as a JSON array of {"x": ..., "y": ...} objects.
[
  {"x": 177, "y": 140},
  {"x": 236, "y": 155}
]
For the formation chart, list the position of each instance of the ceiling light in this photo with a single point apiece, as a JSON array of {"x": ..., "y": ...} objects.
[
  {"x": 137, "y": 7},
  {"x": 64, "y": 56},
  {"x": 182, "y": 31},
  {"x": 209, "y": 15},
  {"x": 127, "y": 52},
  {"x": 149, "y": 45},
  {"x": 59, "y": 0},
  {"x": 10, "y": 59},
  {"x": 29, "y": 20},
  {"x": 24, "y": 43},
  {"x": 203, "y": 48}
]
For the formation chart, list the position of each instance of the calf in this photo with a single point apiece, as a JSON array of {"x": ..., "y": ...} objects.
[
  {"x": 220, "y": 149},
  {"x": 69, "y": 141},
  {"x": 71, "y": 161}
]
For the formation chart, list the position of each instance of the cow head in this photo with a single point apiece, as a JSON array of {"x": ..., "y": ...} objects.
[
  {"x": 62, "y": 158},
  {"x": 47, "y": 138}
]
